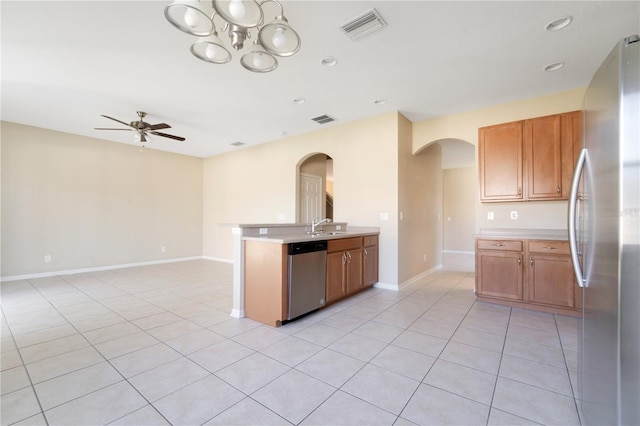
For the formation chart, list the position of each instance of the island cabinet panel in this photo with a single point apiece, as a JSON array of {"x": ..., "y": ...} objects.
[
  {"x": 370, "y": 260},
  {"x": 265, "y": 282}
]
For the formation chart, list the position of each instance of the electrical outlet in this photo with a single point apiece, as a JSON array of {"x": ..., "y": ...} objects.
[
  {"x": 490, "y": 216},
  {"x": 163, "y": 249},
  {"x": 338, "y": 227},
  {"x": 47, "y": 258},
  {"x": 424, "y": 257},
  {"x": 514, "y": 215},
  {"x": 263, "y": 231}
]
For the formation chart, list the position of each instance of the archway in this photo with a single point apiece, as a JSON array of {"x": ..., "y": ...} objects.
[{"x": 314, "y": 193}]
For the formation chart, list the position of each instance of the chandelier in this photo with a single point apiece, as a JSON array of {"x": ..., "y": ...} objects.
[{"x": 241, "y": 18}]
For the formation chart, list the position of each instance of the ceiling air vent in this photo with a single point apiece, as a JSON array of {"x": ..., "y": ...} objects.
[
  {"x": 238, "y": 143},
  {"x": 363, "y": 25},
  {"x": 323, "y": 119}
]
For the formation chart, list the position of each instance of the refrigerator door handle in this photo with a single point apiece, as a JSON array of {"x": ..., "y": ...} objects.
[{"x": 573, "y": 200}]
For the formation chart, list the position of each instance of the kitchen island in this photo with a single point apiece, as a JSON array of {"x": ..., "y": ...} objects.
[{"x": 261, "y": 274}]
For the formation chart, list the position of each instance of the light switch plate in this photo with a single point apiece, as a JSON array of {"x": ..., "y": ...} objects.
[
  {"x": 384, "y": 216},
  {"x": 490, "y": 216},
  {"x": 514, "y": 215}
]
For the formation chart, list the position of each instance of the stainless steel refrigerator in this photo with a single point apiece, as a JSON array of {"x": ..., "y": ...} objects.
[{"x": 604, "y": 229}]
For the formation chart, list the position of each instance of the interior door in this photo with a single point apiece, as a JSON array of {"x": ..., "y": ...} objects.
[{"x": 311, "y": 197}]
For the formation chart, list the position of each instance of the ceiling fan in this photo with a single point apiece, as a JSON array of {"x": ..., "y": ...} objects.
[{"x": 142, "y": 128}]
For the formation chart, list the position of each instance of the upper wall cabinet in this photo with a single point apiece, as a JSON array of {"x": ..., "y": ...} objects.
[{"x": 529, "y": 160}]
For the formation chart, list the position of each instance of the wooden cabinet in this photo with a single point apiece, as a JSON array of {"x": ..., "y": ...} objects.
[
  {"x": 352, "y": 265},
  {"x": 536, "y": 274},
  {"x": 550, "y": 277},
  {"x": 265, "y": 282},
  {"x": 499, "y": 269},
  {"x": 344, "y": 268},
  {"x": 500, "y": 162},
  {"x": 529, "y": 160},
  {"x": 370, "y": 260}
]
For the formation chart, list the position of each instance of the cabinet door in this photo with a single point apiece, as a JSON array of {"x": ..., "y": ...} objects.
[
  {"x": 354, "y": 270},
  {"x": 543, "y": 152},
  {"x": 335, "y": 276},
  {"x": 499, "y": 274},
  {"x": 551, "y": 280},
  {"x": 370, "y": 269},
  {"x": 571, "y": 128},
  {"x": 500, "y": 162}
]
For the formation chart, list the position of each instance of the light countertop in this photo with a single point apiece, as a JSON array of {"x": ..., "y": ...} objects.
[{"x": 524, "y": 234}]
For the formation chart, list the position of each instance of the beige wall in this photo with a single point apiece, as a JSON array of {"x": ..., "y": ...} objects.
[
  {"x": 458, "y": 200},
  {"x": 92, "y": 203},
  {"x": 464, "y": 126},
  {"x": 258, "y": 184}
]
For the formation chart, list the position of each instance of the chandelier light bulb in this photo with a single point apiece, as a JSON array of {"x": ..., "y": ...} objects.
[
  {"x": 191, "y": 18},
  {"x": 237, "y": 9},
  {"x": 279, "y": 39},
  {"x": 258, "y": 60},
  {"x": 212, "y": 52}
]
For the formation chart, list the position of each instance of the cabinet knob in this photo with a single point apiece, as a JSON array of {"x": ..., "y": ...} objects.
[
  {"x": 519, "y": 191},
  {"x": 498, "y": 245},
  {"x": 349, "y": 257},
  {"x": 365, "y": 252},
  {"x": 558, "y": 189},
  {"x": 532, "y": 261},
  {"x": 519, "y": 261},
  {"x": 550, "y": 248},
  {"x": 344, "y": 258}
]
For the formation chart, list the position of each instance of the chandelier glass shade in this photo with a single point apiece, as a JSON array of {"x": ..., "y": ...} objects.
[{"x": 240, "y": 19}]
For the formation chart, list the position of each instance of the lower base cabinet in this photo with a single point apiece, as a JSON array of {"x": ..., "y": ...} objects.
[
  {"x": 344, "y": 268},
  {"x": 535, "y": 274}
]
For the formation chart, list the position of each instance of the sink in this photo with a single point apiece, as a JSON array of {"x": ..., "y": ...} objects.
[{"x": 336, "y": 233}]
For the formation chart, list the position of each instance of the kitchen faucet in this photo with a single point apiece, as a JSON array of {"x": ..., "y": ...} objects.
[{"x": 320, "y": 222}]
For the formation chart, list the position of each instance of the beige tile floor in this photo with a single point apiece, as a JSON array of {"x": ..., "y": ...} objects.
[{"x": 155, "y": 345}]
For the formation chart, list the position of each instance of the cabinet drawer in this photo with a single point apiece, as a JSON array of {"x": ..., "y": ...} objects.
[
  {"x": 549, "y": 247},
  {"x": 502, "y": 245},
  {"x": 344, "y": 244},
  {"x": 370, "y": 240}
]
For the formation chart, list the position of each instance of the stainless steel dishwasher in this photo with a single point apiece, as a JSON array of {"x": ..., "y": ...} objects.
[{"x": 307, "y": 268}]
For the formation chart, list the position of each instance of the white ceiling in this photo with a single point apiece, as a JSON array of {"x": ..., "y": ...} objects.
[{"x": 66, "y": 62}]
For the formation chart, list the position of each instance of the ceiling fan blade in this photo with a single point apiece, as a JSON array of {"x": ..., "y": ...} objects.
[
  {"x": 115, "y": 119},
  {"x": 110, "y": 128},
  {"x": 158, "y": 126},
  {"x": 164, "y": 135}
]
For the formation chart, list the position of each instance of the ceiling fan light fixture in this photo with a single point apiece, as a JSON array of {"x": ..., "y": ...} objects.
[
  {"x": 278, "y": 38},
  {"x": 190, "y": 17},
  {"x": 211, "y": 49}
]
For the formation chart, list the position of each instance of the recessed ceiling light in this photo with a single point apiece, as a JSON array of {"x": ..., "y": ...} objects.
[
  {"x": 298, "y": 100},
  {"x": 380, "y": 101},
  {"x": 554, "y": 67},
  {"x": 329, "y": 61},
  {"x": 560, "y": 23}
]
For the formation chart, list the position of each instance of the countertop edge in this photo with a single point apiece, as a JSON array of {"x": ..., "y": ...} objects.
[{"x": 523, "y": 234}]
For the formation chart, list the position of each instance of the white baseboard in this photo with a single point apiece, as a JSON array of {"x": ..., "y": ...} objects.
[
  {"x": 218, "y": 259},
  {"x": 97, "y": 268},
  {"x": 386, "y": 286},
  {"x": 237, "y": 313},
  {"x": 420, "y": 276}
]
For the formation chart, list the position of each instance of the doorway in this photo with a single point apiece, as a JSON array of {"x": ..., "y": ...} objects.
[{"x": 315, "y": 188}]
